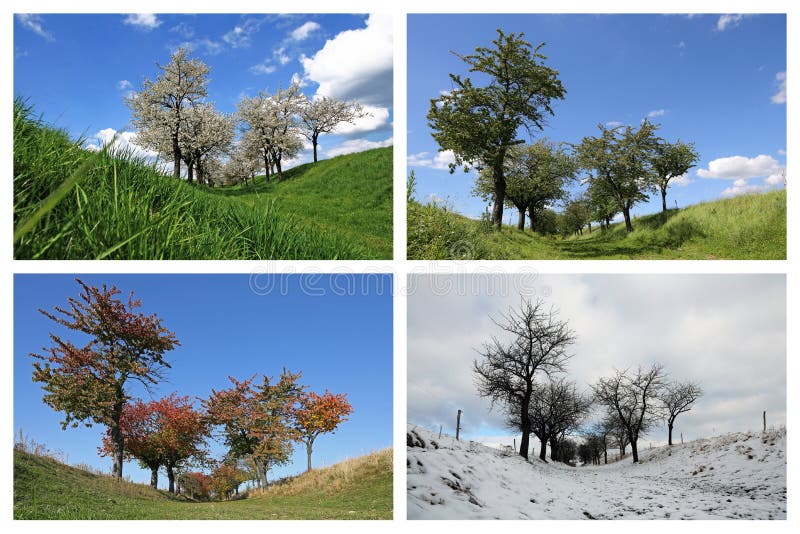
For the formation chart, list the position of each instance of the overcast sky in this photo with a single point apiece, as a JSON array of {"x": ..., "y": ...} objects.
[{"x": 727, "y": 332}]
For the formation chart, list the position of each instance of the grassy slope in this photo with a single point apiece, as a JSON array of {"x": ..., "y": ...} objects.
[
  {"x": 120, "y": 208},
  {"x": 348, "y": 195},
  {"x": 360, "y": 488},
  {"x": 744, "y": 227}
]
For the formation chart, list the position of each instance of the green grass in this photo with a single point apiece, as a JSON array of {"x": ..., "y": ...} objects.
[
  {"x": 70, "y": 203},
  {"x": 747, "y": 227},
  {"x": 360, "y": 488}
]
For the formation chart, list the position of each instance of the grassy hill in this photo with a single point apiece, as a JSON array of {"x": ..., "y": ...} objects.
[
  {"x": 359, "y": 488},
  {"x": 744, "y": 227},
  {"x": 70, "y": 203}
]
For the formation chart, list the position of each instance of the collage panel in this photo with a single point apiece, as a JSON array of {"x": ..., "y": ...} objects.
[
  {"x": 597, "y": 396},
  {"x": 596, "y": 136},
  {"x": 187, "y": 396},
  {"x": 219, "y": 137}
]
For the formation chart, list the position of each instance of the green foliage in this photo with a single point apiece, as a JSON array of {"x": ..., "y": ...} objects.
[
  {"x": 480, "y": 123},
  {"x": 46, "y": 489},
  {"x": 436, "y": 234},
  {"x": 118, "y": 207},
  {"x": 670, "y": 161}
]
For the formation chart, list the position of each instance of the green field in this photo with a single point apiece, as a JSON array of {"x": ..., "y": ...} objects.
[
  {"x": 748, "y": 227},
  {"x": 70, "y": 203},
  {"x": 360, "y": 488}
]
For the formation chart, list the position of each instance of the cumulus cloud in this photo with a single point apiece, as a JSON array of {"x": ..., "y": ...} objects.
[
  {"x": 657, "y": 113},
  {"x": 728, "y": 21},
  {"x": 681, "y": 180},
  {"x": 142, "y": 21},
  {"x": 357, "y": 145},
  {"x": 441, "y": 160},
  {"x": 695, "y": 330},
  {"x": 125, "y": 142},
  {"x": 303, "y": 32},
  {"x": 741, "y": 167},
  {"x": 34, "y": 23},
  {"x": 377, "y": 119},
  {"x": 780, "y": 96},
  {"x": 742, "y": 187},
  {"x": 356, "y": 64}
]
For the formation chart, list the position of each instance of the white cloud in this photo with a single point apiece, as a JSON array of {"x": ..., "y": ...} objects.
[
  {"x": 126, "y": 141},
  {"x": 440, "y": 161},
  {"x": 34, "y": 23},
  {"x": 303, "y": 32},
  {"x": 657, "y": 113},
  {"x": 204, "y": 46},
  {"x": 298, "y": 80},
  {"x": 613, "y": 124},
  {"x": 741, "y": 187},
  {"x": 356, "y": 64},
  {"x": 780, "y": 96},
  {"x": 241, "y": 34},
  {"x": 281, "y": 56},
  {"x": 263, "y": 68},
  {"x": 781, "y": 152},
  {"x": 184, "y": 30},
  {"x": 124, "y": 84},
  {"x": 357, "y": 145},
  {"x": 728, "y": 21},
  {"x": 377, "y": 118},
  {"x": 682, "y": 180},
  {"x": 740, "y": 167},
  {"x": 142, "y": 21}
]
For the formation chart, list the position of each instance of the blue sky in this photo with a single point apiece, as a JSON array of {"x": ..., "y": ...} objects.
[
  {"x": 76, "y": 69},
  {"x": 336, "y": 329},
  {"x": 716, "y": 80}
]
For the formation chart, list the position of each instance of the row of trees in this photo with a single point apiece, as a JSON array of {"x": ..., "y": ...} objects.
[
  {"x": 258, "y": 421},
  {"x": 173, "y": 117},
  {"x": 524, "y": 371},
  {"x": 481, "y": 125}
]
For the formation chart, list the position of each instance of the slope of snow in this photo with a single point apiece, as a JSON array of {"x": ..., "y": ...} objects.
[{"x": 734, "y": 476}]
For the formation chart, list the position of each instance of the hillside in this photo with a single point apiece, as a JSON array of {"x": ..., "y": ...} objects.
[
  {"x": 359, "y": 488},
  {"x": 744, "y": 227},
  {"x": 70, "y": 203},
  {"x": 734, "y": 476}
]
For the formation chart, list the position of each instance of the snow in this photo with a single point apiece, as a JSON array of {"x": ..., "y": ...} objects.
[{"x": 733, "y": 476}]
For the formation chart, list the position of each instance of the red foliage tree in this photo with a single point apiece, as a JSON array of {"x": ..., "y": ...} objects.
[
  {"x": 89, "y": 383},
  {"x": 256, "y": 420},
  {"x": 166, "y": 432},
  {"x": 195, "y": 484},
  {"x": 320, "y": 414}
]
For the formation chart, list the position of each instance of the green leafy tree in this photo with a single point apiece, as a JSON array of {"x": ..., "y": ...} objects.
[
  {"x": 602, "y": 205},
  {"x": 89, "y": 383},
  {"x": 480, "y": 123},
  {"x": 620, "y": 162},
  {"x": 670, "y": 161}
]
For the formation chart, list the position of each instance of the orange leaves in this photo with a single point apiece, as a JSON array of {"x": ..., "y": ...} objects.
[{"x": 320, "y": 414}]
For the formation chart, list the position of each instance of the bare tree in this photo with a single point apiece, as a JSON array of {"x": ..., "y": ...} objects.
[
  {"x": 633, "y": 397},
  {"x": 535, "y": 341},
  {"x": 159, "y": 109},
  {"x": 616, "y": 432},
  {"x": 323, "y": 115},
  {"x": 678, "y": 398}
]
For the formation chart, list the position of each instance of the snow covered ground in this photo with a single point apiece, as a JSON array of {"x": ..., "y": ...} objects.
[{"x": 734, "y": 476}]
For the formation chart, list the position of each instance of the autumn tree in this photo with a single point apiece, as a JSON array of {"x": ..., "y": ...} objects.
[
  {"x": 159, "y": 109},
  {"x": 633, "y": 398},
  {"x": 534, "y": 342},
  {"x": 139, "y": 428},
  {"x": 671, "y": 160},
  {"x": 89, "y": 383},
  {"x": 619, "y": 161},
  {"x": 678, "y": 398},
  {"x": 481, "y": 123},
  {"x": 225, "y": 480},
  {"x": 322, "y": 115},
  {"x": 256, "y": 420},
  {"x": 320, "y": 414}
]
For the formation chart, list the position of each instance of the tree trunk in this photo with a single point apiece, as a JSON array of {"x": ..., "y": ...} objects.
[
  {"x": 532, "y": 216},
  {"x": 669, "y": 433},
  {"x": 626, "y": 212},
  {"x": 663, "y": 199},
  {"x": 171, "y": 477},
  {"x": 635, "y": 452},
  {"x": 118, "y": 440},
  {"x": 278, "y": 168},
  {"x": 525, "y": 423},
  {"x": 499, "y": 198},
  {"x": 266, "y": 167},
  {"x": 309, "y": 445},
  {"x": 590, "y": 227},
  {"x": 543, "y": 450},
  {"x": 521, "y": 221},
  {"x": 314, "y": 142},
  {"x": 176, "y": 155},
  {"x": 190, "y": 171},
  {"x": 553, "y": 449},
  {"x": 154, "y": 476}
]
